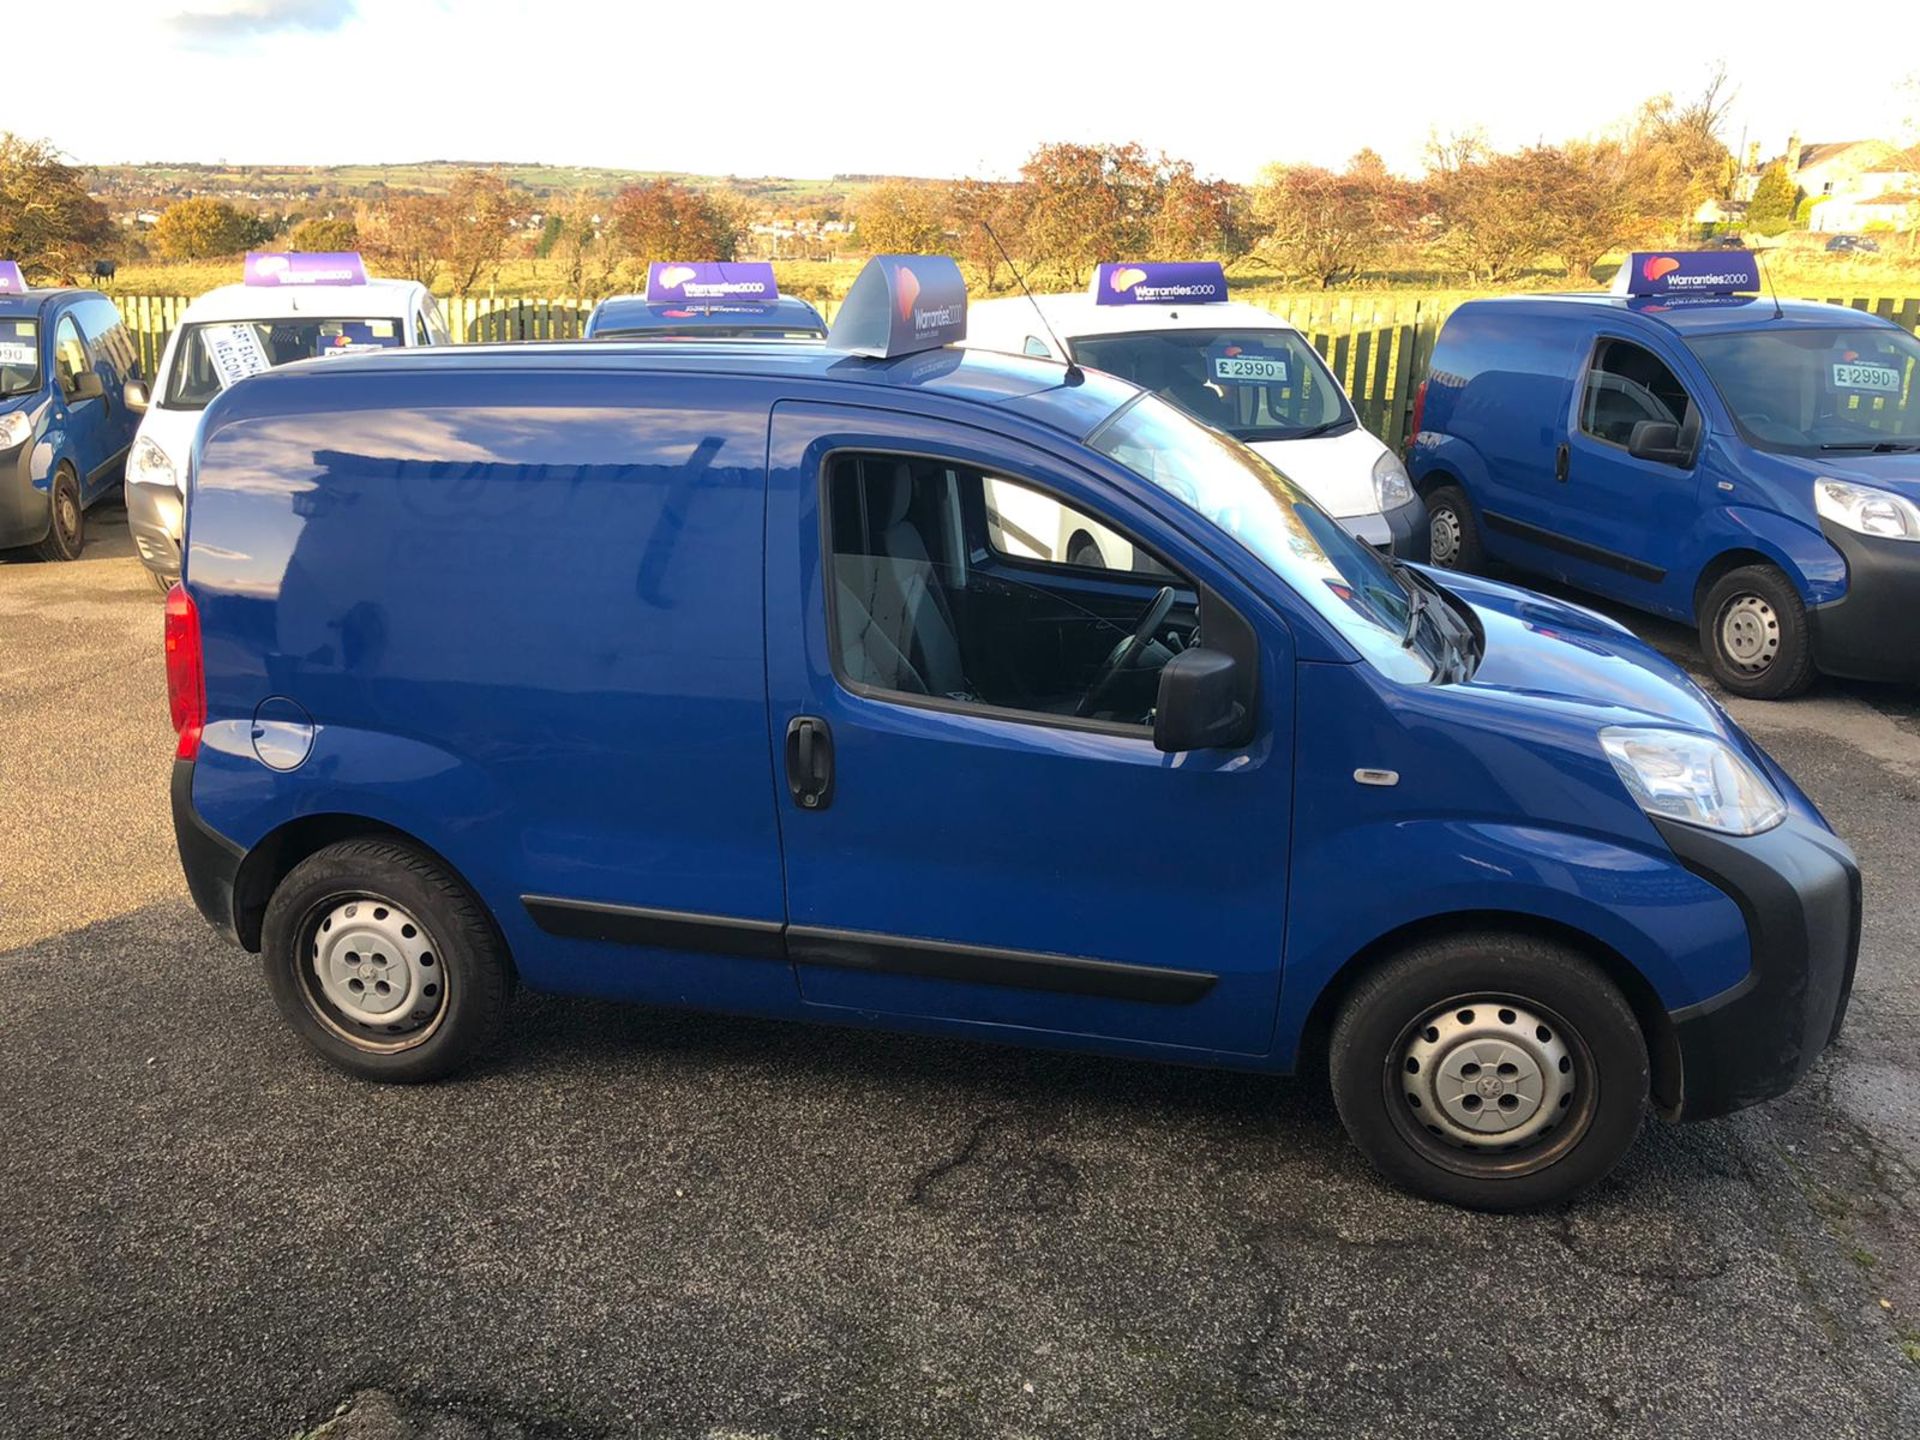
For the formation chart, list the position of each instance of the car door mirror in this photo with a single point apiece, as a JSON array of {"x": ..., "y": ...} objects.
[
  {"x": 1658, "y": 441},
  {"x": 1200, "y": 706},
  {"x": 85, "y": 386},
  {"x": 135, "y": 394}
]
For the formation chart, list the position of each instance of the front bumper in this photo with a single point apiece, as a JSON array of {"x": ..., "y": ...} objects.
[
  {"x": 25, "y": 509},
  {"x": 1401, "y": 531},
  {"x": 1873, "y": 631},
  {"x": 211, "y": 861},
  {"x": 1798, "y": 886},
  {"x": 157, "y": 519}
]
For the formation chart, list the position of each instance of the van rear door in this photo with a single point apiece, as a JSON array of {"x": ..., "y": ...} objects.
[{"x": 960, "y": 845}]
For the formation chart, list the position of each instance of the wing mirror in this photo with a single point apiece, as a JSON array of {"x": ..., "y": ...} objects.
[
  {"x": 134, "y": 393},
  {"x": 1658, "y": 441},
  {"x": 1200, "y": 705}
]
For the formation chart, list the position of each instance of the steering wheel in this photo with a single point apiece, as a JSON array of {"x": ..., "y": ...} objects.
[{"x": 1122, "y": 655}]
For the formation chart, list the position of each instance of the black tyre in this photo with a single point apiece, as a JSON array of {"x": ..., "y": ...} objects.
[
  {"x": 67, "y": 526},
  {"x": 1753, "y": 628},
  {"x": 1454, "y": 542},
  {"x": 1490, "y": 1070},
  {"x": 384, "y": 963},
  {"x": 1084, "y": 550}
]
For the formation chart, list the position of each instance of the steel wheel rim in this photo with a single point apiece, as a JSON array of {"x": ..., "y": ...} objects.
[
  {"x": 66, "y": 511},
  {"x": 372, "y": 973},
  {"x": 1443, "y": 535},
  {"x": 1449, "y": 1097},
  {"x": 1749, "y": 633}
]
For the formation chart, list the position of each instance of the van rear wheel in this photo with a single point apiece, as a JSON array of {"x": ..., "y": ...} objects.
[
  {"x": 1453, "y": 535},
  {"x": 384, "y": 963},
  {"x": 1753, "y": 628},
  {"x": 1495, "y": 1071}
]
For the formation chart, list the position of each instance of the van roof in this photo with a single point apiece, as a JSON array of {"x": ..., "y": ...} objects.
[
  {"x": 33, "y": 302},
  {"x": 1038, "y": 389},
  {"x": 1079, "y": 314},
  {"x": 1702, "y": 315},
  {"x": 377, "y": 299}
]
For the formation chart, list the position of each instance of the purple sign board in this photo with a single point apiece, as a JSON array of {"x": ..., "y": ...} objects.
[
  {"x": 901, "y": 305},
  {"x": 1159, "y": 282},
  {"x": 1689, "y": 272},
  {"x": 692, "y": 281},
  {"x": 289, "y": 269},
  {"x": 12, "y": 282}
]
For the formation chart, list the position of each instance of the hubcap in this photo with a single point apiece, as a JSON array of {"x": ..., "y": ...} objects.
[
  {"x": 1750, "y": 633},
  {"x": 1488, "y": 1074},
  {"x": 373, "y": 965},
  {"x": 67, "y": 511},
  {"x": 1443, "y": 531}
]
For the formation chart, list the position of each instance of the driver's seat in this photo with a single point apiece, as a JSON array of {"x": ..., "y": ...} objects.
[{"x": 896, "y": 586}]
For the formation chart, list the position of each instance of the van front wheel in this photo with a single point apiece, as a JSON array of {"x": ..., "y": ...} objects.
[
  {"x": 66, "y": 519},
  {"x": 384, "y": 963},
  {"x": 1454, "y": 537},
  {"x": 1753, "y": 628},
  {"x": 1491, "y": 1070}
]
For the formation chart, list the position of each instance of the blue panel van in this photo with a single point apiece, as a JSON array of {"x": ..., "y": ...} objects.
[
  {"x": 1749, "y": 467},
  {"x": 711, "y": 675},
  {"x": 66, "y": 358}
]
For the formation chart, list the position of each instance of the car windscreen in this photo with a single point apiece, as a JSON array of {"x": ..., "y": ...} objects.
[
  {"x": 1255, "y": 384},
  {"x": 714, "y": 332},
  {"x": 1250, "y": 499},
  {"x": 1801, "y": 391},
  {"x": 214, "y": 355},
  {"x": 19, "y": 355}
]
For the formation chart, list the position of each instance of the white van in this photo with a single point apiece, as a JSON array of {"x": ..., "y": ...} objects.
[
  {"x": 289, "y": 307},
  {"x": 1169, "y": 327}
]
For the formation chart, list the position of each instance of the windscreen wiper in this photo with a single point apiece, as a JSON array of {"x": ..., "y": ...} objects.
[{"x": 1878, "y": 447}]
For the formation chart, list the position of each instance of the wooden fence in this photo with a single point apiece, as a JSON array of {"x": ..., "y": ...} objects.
[{"x": 1378, "y": 345}]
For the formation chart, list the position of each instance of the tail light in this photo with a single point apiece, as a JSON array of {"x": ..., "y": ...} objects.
[
  {"x": 1419, "y": 415},
  {"x": 186, "y": 672}
]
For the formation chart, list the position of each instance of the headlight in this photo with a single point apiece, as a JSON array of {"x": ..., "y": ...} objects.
[
  {"x": 1391, "y": 487},
  {"x": 15, "y": 429},
  {"x": 1695, "y": 779},
  {"x": 1867, "y": 511},
  {"x": 147, "y": 464}
]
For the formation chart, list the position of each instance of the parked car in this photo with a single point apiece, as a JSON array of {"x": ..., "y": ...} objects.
[
  {"x": 702, "y": 675},
  {"x": 1170, "y": 327},
  {"x": 1748, "y": 467},
  {"x": 288, "y": 307},
  {"x": 1856, "y": 244},
  {"x": 706, "y": 301},
  {"x": 65, "y": 363}
]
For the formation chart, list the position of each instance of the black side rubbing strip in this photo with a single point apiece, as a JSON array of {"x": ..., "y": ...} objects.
[
  {"x": 860, "y": 950},
  {"x": 668, "y": 929},
  {"x": 1579, "y": 549}
]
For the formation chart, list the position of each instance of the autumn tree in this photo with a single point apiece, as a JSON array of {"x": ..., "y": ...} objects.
[
  {"x": 979, "y": 213},
  {"x": 1083, "y": 204},
  {"x": 580, "y": 244},
  {"x": 1328, "y": 226},
  {"x": 900, "y": 217},
  {"x": 1196, "y": 216},
  {"x": 664, "y": 221},
  {"x": 324, "y": 233},
  {"x": 477, "y": 217},
  {"x": 1680, "y": 160},
  {"x": 1496, "y": 213},
  {"x": 406, "y": 237},
  {"x": 202, "y": 228},
  {"x": 1771, "y": 209},
  {"x": 48, "y": 222}
]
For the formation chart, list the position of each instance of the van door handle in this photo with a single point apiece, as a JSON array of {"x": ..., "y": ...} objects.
[
  {"x": 1562, "y": 460},
  {"x": 810, "y": 762}
]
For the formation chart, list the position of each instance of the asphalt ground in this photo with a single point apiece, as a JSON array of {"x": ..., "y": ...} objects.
[{"x": 643, "y": 1223}]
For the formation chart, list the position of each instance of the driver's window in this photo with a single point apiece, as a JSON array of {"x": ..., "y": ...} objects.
[
  {"x": 1626, "y": 385},
  {"x": 923, "y": 608}
]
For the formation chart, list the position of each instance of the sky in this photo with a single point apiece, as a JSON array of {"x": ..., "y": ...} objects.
[{"x": 917, "y": 88}]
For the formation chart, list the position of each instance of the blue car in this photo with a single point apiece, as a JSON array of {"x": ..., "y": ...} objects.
[
  {"x": 65, "y": 426},
  {"x": 706, "y": 301},
  {"x": 719, "y": 676},
  {"x": 1746, "y": 466}
]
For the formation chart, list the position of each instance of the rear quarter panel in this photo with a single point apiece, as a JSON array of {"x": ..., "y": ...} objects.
[{"x": 524, "y": 612}]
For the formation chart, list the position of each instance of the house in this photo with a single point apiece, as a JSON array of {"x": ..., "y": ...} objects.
[{"x": 1854, "y": 185}]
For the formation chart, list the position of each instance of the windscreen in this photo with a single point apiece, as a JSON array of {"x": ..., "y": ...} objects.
[
  {"x": 1246, "y": 496},
  {"x": 1810, "y": 392},
  {"x": 217, "y": 354},
  {"x": 19, "y": 355},
  {"x": 1254, "y": 384}
]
